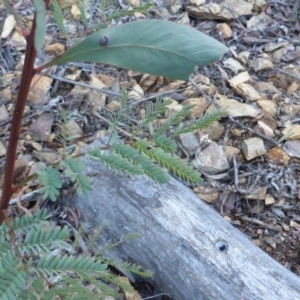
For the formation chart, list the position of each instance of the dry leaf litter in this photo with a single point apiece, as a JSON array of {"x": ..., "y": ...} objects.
[{"x": 250, "y": 160}]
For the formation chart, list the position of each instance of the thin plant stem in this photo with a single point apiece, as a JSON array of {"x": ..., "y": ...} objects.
[{"x": 27, "y": 75}]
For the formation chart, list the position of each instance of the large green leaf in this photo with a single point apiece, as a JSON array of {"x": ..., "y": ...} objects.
[{"x": 155, "y": 47}]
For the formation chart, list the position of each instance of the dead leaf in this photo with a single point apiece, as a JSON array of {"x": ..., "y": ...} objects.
[
  {"x": 39, "y": 89},
  {"x": 259, "y": 22},
  {"x": 290, "y": 56},
  {"x": 8, "y": 27},
  {"x": 40, "y": 129}
]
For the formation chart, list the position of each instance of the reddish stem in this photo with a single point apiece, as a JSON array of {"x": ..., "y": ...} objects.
[{"x": 27, "y": 75}]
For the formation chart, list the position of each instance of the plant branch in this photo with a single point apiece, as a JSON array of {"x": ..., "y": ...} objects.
[{"x": 27, "y": 75}]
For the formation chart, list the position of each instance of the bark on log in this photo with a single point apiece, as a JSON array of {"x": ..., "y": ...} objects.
[{"x": 179, "y": 240}]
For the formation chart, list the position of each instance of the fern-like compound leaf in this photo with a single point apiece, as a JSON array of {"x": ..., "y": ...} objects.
[
  {"x": 142, "y": 145},
  {"x": 141, "y": 162},
  {"x": 115, "y": 162},
  {"x": 73, "y": 169},
  {"x": 5, "y": 248},
  {"x": 127, "y": 11},
  {"x": 8, "y": 258},
  {"x": 120, "y": 118},
  {"x": 72, "y": 290},
  {"x": 176, "y": 165},
  {"x": 30, "y": 295},
  {"x": 50, "y": 264},
  {"x": 58, "y": 16},
  {"x": 25, "y": 223},
  {"x": 12, "y": 282},
  {"x": 154, "y": 110},
  {"x": 38, "y": 285},
  {"x": 173, "y": 164},
  {"x": 83, "y": 184},
  {"x": 132, "y": 268},
  {"x": 175, "y": 119},
  {"x": 201, "y": 123},
  {"x": 39, "y": 241},
  {"x": 72, "y": 166},
  {"x": 51, "y": 180},
  {"x": 32, "y": 260},
  {"x": 4, "y": 236},
  {"x": 150, "y": 169},
  {"x": 165, "y": 142},
  {"x": 128, "y": 152},
  {"x": 81, "y": 5},
  {"x": 153, "y": 171},
  {"x": 37, "y": 289}
]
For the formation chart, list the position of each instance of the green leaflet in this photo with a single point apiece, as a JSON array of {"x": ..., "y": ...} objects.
[
  {"x": 154, "y": 47},
  {"x": 73, "y": 169},
  {"x": 165, "y": 142},
  {"x": 50, "y": 179}
]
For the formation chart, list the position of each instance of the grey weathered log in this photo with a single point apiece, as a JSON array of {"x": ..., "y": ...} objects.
[{"x": 179, "y": 240}]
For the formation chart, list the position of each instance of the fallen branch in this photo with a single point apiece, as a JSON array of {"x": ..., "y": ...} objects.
[{"x": 194, "y": 253}]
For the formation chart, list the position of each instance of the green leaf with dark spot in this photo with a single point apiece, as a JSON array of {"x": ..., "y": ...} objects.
[{"x": 154, "y": 47}]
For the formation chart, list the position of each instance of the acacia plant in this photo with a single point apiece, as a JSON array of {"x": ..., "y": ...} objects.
[{"x": 154, "y": 47}]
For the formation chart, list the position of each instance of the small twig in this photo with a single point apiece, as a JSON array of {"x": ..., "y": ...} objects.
[
  {"x": 24, "y": 197},
  {"x": 93, "y": 8},
  {"x": 108, "y": 122},
  {"x": 214, "y": 103},
  {"x": 236, "y": 177},
  {"x": 111, "y": 93},
  {"x": 236, "y": 180},
  {"x": 19, "y": 203},
  {"x": 180, "y": 146},
  {"x": 154, "y": 296},
  {"x": 286, "y": 73},
  {"x": 154, "y": 96},
  {"x": 77, "y": 236},
  {"x": 56, "y": 85},
  {"x": 108, "y": 92},
  {"x": 235, "y": 14},
  {"x": 262, "y": 224},
  {"x": 295, "y": 11}
]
